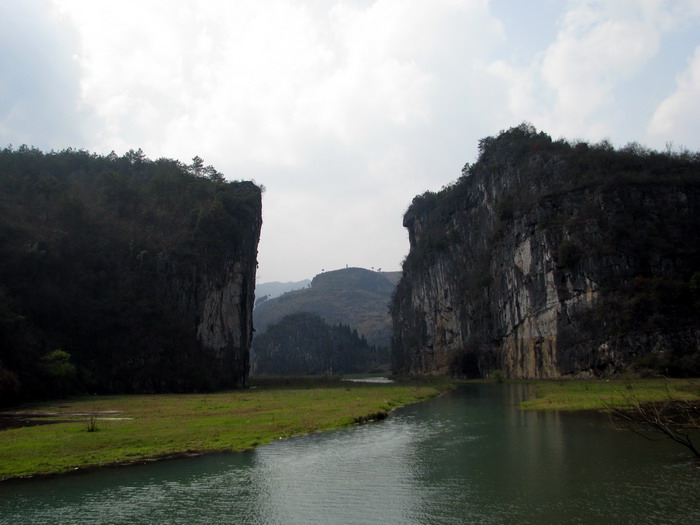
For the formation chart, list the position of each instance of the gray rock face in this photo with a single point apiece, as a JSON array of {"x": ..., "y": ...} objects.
[
  {"x": 548, "y": 260},
  {"x": 216, "y": 302},
  {"x": 225, "y": 325}
]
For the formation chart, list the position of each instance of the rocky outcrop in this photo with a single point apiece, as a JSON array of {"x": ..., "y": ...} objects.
[{"x": 547, "y": 259}]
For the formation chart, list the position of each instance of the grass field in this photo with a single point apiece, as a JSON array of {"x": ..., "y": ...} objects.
[
  {"x": 600, "y": 394},
  {"x": 124, "y": 429}
]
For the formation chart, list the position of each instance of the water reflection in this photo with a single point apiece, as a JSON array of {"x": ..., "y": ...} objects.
[
  {"x": 354, "y": 474},
  {"x": 467, "y": 457},
  {"x": 375, "y": 380}
]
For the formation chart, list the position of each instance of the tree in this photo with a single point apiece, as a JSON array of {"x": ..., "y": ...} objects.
[
  {"x": 212, "y": 174},
  {"x": 197, "y": 166},
  {"x": 304, "y": 344},
  {"x": 47, "y": 186},
  {"x": 675, "y": 419},
  {"x": 135, "y": 158},
  {"x": 59, "y": 369}
]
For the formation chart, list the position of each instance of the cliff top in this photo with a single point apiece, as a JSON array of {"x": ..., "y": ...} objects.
[{"x": 522, "y": 163}]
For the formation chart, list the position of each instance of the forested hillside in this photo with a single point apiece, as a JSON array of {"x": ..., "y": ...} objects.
[
  {"x": 123, "y": 274},
  {"x": 353, "y": 296},
  {"x": 303, "y": 344},
  {"x": 265, "y": 291}
]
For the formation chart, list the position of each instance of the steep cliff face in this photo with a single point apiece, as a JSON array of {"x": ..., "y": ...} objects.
[
  {"x": 215, "y": 298},
  {"x": 547, "y": 259},
  {"x": 215, "y": 306}
]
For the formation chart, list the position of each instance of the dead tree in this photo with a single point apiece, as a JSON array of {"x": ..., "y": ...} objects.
[{"x": 674, "y": 418}]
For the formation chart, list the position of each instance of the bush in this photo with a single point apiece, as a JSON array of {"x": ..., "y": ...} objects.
[{"x": 59, "y": 369}]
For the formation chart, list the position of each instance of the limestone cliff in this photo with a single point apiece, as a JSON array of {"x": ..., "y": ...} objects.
[
  {"x": 215, "y": 299},
  {"x": 210, "y": 291},
  {"x": 547, "y": 259}
]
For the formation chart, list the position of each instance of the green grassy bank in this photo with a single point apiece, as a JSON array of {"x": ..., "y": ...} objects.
[
  {"x": 601, "y": 394},
  {"x": 124, "y": 429}
]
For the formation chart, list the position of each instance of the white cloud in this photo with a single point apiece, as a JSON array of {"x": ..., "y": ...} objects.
[
  {"x": 516, "y": 85},
  {"x": 254, "y": 79},
  {"x": 677, "y": 118},
  {"x": 39, "y": 89},
  {"x": 344, "y": 109},
  {"x": 593, "y": 51},
  {"x": 312, "y": 97},
  {"x": 575, "y": 86},
  {"x": 197, "y": 76}
]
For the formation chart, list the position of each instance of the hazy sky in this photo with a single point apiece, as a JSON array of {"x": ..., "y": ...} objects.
[{"x": 343, "y": 109}]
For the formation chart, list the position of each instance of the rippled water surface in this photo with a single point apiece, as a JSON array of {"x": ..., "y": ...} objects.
[{"x": 468, "y": 457}]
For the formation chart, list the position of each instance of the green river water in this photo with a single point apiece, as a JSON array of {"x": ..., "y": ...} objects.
[{"x": 470, "y": 456}]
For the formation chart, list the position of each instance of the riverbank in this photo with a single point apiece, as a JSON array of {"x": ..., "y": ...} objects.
[
  {"x": 601, "y": 394},
  {"x": 113, "y": 430}
]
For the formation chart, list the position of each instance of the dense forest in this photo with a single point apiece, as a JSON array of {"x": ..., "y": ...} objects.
[
  {"x": 551, "y": 258},
  {"x": 303, "y": 344},
  {"x": 105, "y": 264}
]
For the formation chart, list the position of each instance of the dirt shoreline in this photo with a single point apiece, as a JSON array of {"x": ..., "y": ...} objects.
[{"x": 21, "y": 419}]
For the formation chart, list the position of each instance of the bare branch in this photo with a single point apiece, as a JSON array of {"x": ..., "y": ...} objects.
[{"x": 675, "y": 419}]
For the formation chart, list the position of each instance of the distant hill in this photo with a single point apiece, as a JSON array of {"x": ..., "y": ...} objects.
[
  {"x": 351, "y": 296},
  {"x": 265, "y": 291}
]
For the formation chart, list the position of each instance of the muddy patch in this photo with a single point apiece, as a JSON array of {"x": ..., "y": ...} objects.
[{"x": 19, "y": 419}]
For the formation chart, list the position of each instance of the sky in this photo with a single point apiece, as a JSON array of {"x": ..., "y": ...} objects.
[{"x": 343, "y": 109}]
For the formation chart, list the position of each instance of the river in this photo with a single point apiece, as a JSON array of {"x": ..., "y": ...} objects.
[{"x": 470, "y": 456}]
